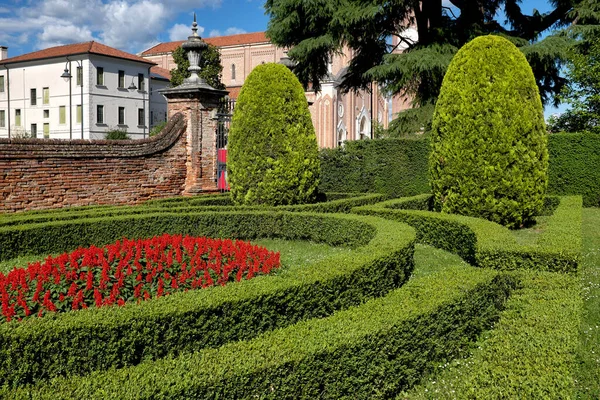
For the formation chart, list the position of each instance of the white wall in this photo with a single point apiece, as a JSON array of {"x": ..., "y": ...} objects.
[{"x": 158, "y": 102}]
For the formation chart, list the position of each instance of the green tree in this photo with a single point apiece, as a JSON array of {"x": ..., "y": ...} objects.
[
  {"x": 315, "y": 30},
  {"x": 273, "y": 153},
  {"x": 489, "y": 157},
  {"x": 210, "y": 62},
  {"x": 583, "y": 70}
]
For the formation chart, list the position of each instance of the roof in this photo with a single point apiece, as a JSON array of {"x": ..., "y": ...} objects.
[
  {"x": 161, "y": 73},
  {"x": 219, "y": 41},
  {"x": 75, "y": 49}
]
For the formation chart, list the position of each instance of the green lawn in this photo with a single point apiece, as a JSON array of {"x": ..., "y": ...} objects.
[{"x": 588, "y": 382}]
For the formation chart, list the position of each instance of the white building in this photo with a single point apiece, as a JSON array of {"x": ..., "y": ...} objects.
[{"x": 107, "y": 89}]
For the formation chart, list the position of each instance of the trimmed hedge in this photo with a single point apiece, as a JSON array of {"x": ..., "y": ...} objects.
[
  {"x": 530, "y": 353},
  {"x": 399, "y": 167},
  {"x": 337, "y": 203},
  {"x": 396, "y": 167},
  {"x": 487, "y": 244},
  {"x": 370, "y": 351},
  {"x": 95, "y": 339},
  {"x": 574, "y": 159}
]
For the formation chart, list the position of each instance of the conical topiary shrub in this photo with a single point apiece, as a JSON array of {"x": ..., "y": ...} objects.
[
  {"x": 489, "y": 157},
  {"x": 273, "y": 152}
]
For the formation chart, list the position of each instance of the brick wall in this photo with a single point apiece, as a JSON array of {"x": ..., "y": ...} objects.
[{"x": 37, "y": 174}]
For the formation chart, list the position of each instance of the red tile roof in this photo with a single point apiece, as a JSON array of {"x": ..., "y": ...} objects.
[
  {"x": 161, "y": 72},
  {"x": 74, "y": 49},
  {"x": 219, "y": 41}
]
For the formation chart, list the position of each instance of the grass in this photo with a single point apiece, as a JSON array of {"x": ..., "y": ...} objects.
[
  {"x": 588, "y": 382},
  {"x": 529, "y": 236}
]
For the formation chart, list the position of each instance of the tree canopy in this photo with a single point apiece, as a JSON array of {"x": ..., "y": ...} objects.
[
  {"x": 314, "y": 30},
  {"x": 210, "y": 62}
]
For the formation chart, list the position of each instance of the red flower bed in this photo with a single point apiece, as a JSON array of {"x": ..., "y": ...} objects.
[{"x": 129, "y": 271}]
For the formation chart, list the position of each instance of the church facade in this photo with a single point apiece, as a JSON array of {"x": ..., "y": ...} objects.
[{"x": 337, "y": 117}]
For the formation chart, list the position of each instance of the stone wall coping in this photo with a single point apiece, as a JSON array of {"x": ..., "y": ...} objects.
[{"x": 56, "y": 148}]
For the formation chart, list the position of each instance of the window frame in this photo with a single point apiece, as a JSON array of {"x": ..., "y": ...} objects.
[
  {"x": 78, "y": 114},
  {"x": 121, "y": 80},
  {"x": 100, "y": 113},
  {"x": 34, "y": 130},
  {"x": 18, "y": 117},
  {"x": 141, "y": 82},
  {"x": 100, "y": 76},
  {"x": 62, "y": 115},
  {"x": 2, "y": 118},
  {"x": 121, "y": 116},
  {"x": 2, "y": 83},
  {"x": 46, "y": 95},
  {"x": 46, "y": 130},
  {"x": 142, "y": 114},
  {"x": 33, "y": 96},
  {"x": 80, "y": 76}
]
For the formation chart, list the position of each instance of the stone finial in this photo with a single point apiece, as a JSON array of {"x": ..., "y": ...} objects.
[{"x": 194, "y": 47}]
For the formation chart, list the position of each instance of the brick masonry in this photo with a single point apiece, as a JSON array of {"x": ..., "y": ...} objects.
[{"x": 181, "y": 160}]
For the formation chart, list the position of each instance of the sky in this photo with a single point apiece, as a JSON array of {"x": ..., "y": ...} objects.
[{"x": 134, "y": 25}]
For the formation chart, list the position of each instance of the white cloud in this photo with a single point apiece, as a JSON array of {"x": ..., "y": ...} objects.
[
  {"x": 130, "y": 25},
  {"x": 228, "y": 31},
  {"x": 182, "y": 31}
]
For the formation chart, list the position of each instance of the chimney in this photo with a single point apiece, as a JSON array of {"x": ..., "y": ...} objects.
[{"x": 3, "y": 52}]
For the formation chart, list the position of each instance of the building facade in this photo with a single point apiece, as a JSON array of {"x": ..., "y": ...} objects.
[
  {"x": 337, "y": 117},
  {"x": 77, "y": 91}
]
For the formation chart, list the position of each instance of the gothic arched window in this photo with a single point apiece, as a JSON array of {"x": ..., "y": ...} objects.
[{"x": 233, "y": 71}]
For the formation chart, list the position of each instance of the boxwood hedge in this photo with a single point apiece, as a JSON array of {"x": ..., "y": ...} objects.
[
  {"x": 370, "y": 351},
  {"x": 487, "y": 244},
  {"x": 335, "y": 203},
  {"x": 530, "y": 353},
  {"x": 95, "y": 339}
]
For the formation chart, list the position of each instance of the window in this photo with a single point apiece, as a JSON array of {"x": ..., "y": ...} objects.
[
  {"x": 46, "y": 130},
  {"x": 46, "y": 95},
  {"x": 33, "y": 96},
  {"x": 2, "y": 119},
  {"x": 141, "y": 118},
  {"x": 1, "y": 83},
  {"x": 364, "y": 129},
  {"x": 141, "y": 82},
  {"x": 46, "y": 113},
  {"x": 18, "y": 117},
  {"x": 99, "y": 114},
  {"x": 121, "y": 115},
  {"x": 121, "y": 79},
  {"x": 33, "y": 130},
  {"x": 79, "y": 76},
  {"x": 233, "y": 71},
  {"x": 62, "y": 115},
  {"x": 78, "y": 117},
  {"x": 100, "y": 76}
]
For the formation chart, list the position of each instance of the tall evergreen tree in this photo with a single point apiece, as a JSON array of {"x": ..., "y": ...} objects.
[
  {"x": 316, "y": 29},
  {"x": 210, "y": 62}
]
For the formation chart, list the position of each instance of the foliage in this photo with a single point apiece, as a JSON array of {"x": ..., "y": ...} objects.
[
  {"x": 412, "y": 122},
  {"x": 370, "y": 351},
  {"x": 114, "y": 274},
  {"x": 489, "y": 157},
  {"x": 513, "y": 360},
  {"x": 316, "y": 30},
  {"x": 396, "y": 167},
  {"x": 76, "y": 343},
  {"x": 158, "y": 128},
  {"x": 273, "y": 152},
  {"x": 573, "y": 166},
  {"x": 117, "y": 134},
  {"x": 210, "y": 64},
  {"x": 489, "y": 245},
  {"x": 583, "y": 91}
]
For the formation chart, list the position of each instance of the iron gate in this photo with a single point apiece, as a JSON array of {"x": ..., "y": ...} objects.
[{"x": 224, "y": 113}]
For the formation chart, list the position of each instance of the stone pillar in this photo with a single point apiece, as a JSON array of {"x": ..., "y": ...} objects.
[{"x": 196, "y": 102}]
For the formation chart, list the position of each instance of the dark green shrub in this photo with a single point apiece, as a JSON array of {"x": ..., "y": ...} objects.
[
  {"x": 367, "y": 352},
  {"x": 117, "y": 134},
  {"x": 489, "y": 157},
  {"x": 396, "y": 167},
  {"x": 273, "y": 153},
  {"x": 156, "y": 129}
]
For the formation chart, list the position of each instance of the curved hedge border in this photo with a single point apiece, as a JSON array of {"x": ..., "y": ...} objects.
[
  {"x": 83, "y": 341},
  {"x": 530, "y": 353},
  {"x": 342, "y": 203},
  {"x": 486, "y": 244},
  {"x": 370, "y": 351}
]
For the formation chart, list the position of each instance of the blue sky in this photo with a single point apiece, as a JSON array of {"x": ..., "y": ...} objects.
[{"x": 133, "y": 25}]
